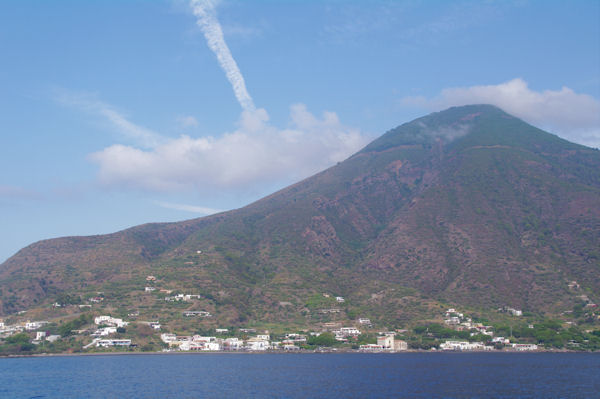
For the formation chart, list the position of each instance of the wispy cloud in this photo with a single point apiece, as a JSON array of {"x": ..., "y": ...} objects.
[
  {"x": 88, "y": 103},
  {"x": 18, "y": 193},
  {"x": 402, "y": 21},
  {"x": 574, "y": 116},
  {"x": 187, "y": 121},
  {"x": 188, "y": 208},
  {"x": 205, "y": 12}
]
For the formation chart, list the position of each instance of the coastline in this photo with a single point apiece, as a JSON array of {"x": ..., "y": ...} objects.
[{"x": 271, "y": 352}]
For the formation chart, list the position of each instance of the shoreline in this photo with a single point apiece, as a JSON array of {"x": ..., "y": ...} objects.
[{"x": 304, "y": 352}]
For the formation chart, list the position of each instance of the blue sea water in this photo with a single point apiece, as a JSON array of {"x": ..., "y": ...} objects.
[{"x": 408, "y": 375}]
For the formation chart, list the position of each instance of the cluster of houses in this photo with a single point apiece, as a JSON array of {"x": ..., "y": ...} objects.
[
  {"x": 461, "y": 323},
  {"x": 10, "y": 329},
  {"x": 109, "y": 325},
  {"x": 260, "y": 342},
  {"x": 480, "y": 346},
  {"x": 344, "y": 333}
]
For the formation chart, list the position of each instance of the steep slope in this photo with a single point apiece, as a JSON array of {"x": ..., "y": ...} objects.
[{"x": 469, "y": 206}]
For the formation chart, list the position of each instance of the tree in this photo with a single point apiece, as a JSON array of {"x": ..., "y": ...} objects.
[{"x": 323, "y": 339}]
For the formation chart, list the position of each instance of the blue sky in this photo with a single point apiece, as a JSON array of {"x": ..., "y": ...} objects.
[{"x": 117, "y": 113}]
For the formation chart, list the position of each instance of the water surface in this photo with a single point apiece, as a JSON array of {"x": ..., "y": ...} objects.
[{"x": 409, "y": 375}]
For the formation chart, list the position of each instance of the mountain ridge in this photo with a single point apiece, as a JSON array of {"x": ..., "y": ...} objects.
[{"x": 469, "y": 206}]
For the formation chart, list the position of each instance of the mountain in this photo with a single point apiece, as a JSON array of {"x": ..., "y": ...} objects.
[{"x": 469, "y": 207}]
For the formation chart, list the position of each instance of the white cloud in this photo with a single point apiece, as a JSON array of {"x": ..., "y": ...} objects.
[
  {"x": 188, "y": 208},
  {"x": 86, "y": 102},
  {"x": 187, "y": 121},
  {"x": 255, "y": 153},
  {"x": 573, "y": 116}
]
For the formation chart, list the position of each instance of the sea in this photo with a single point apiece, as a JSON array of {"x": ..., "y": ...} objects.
[{"x": 345, "y": 375}]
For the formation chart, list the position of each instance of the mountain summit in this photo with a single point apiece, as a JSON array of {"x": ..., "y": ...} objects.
[{"x": 469, "y": 206}]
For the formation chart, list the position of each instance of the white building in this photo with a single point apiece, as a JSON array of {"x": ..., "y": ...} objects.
[
  {"x": 232, "y": 344},
  {"x": 400, "y": 345},
  {"x": 155, "y": 325},
  {"x": 462, "y": 346},
  {"x": 452, "y": 320},
  {"x": 110, "y": 321},
  {"x": 525, "y": 347},
  {"x": 102, "y": 332},
  {"x": 52, "y": 338},
  {"x": 501, "y": 340},
  {"x": 113, "y": 342},
  {"x": 167, "y": 337},
  {"x": 386, "y": 342},
  {"x": 350, "y": 331},
  {"x": 257, "y": 344},
  {"x": 371, "y": 348},
  {"x": 34, "y": 325}
]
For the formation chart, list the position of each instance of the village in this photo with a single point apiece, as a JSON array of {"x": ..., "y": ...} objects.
[
  {"x": 97, "y": 330},
  {"x": 107, "y": 332}
]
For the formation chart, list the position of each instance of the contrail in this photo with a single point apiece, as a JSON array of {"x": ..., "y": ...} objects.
[{"x": 204, "y": 10}]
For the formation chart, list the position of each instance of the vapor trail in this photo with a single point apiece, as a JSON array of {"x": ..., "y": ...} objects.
[{"x": 204, "y": 10}]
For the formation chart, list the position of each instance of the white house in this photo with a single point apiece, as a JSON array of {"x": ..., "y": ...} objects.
[
  {"x": 110, "y": 321},
  {"x": 113, "y": 342},
  {"x": 525, "y": 347},
  {"x": 167, "y": 337},
  {"x": 102, "y": 332},
  {"x": 52, "y": 338},
  {"x": 232, "y": 344},
  {"x": 350, "y": 331},
  {"x": 257, "y": 344},
  {"x": 462, "y": 346},
  {"x": 155, "y": 325},
  {"x": 501, "y": 340},
  {"x": 370, "y": 348},
  {"x": 34, "y": 325}
]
